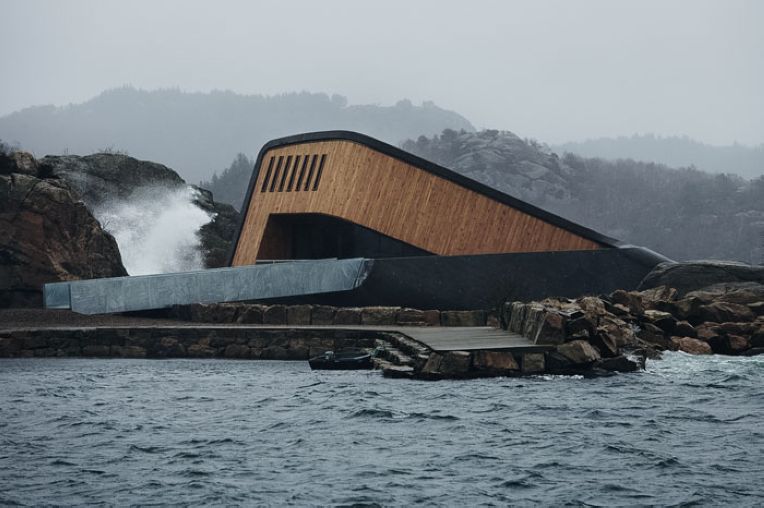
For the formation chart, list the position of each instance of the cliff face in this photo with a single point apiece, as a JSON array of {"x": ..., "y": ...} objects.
[
  {"x": 110, "y": 176},
  {"x": 46, "y": 234}
]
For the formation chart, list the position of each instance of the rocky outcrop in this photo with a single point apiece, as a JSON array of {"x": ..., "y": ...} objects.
[
  {"x": 601, "y": 332},
  {"x": 104, "y": 176},
  {"x": 217, "y": 235},
  {"x": 112, "y": 176},
  {"x": 46, "y": 235},
  {"x": 694, "y": 275}
]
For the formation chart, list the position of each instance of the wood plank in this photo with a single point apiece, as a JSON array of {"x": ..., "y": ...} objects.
[{"x": 372, "y": 189}]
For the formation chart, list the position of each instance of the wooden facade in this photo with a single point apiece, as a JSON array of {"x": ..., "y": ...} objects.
[{"x": 370, "y": 184}]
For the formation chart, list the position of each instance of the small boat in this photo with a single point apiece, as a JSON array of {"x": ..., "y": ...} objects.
[{"x": 349, "y": 359}]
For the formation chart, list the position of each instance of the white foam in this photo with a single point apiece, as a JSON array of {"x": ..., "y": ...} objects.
[{"x": 156, "y": 229}]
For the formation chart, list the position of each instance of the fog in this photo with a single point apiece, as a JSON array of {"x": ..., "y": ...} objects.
[{"x": 557, "y": 71}]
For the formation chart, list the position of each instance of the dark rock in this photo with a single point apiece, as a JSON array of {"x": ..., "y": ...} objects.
[
  {"x": 128, "y": 351},
  {"x": 757, "y": 339},
  {"x": 721, "y": 312},
  {"x": 579, "y": 352},
  {"x": 744, "y": 329},
  {"x": 379, "y": 315},
  {"x": 274, "y": 315},
  {"x": 757, "y": 308},
  {"x": 46, "y": 235},
  {"x": 754, "y": 351},
  {"x": 217, "y": 235},
  {"x": 605, "y": 343},
  {"x": 410, "y": 317},
  {"x": 398, "y": 371},
  {"x": 630, "y": 300},
  {"x": 580, "y": 328},
  {"x": 298, "y": 314},
  {"x": 347, "y": 316},
  {"x": 689, "y": 309},
  {"x": 533, "y": 363},
  {"x": 322, "y": 315},
  {"x": 684, "y": 329},
  {"x": 515, "y": 316},
  {"x": 201, "y": 351},
  {"x": 592, "y": 307},
  {"x": 693, "y": 275},
  {"x": 737, "y": 344},
  {"x": 620, "y": 331},
  {"x": 551, "y": 329},
  {"x": 663, "y": 320},
  {"x": 169, "y": 347},
  {"x": 707, "y": 331},
  {"x": 719, "y": 344},
  {"x": 251, "y": 314},
  {"x": 743, "y": 293},
  {"x": 96, "y": 350},
  {"x": 463, "y": 318},
  {"x": 495, "y": 362},
  {"x": 18, "y": 162},
  {"x": 618, "y": 364},
  {"x": 657, "y": 296},
  {"x": 453, "y": 364},
  {"x": 432, "y": 317},
  {"x": 102, "y": 176},
  {"x": 555, "y": 363},
  {"x": 692, "y": 346},
  {"x": 236, "y": 351}
]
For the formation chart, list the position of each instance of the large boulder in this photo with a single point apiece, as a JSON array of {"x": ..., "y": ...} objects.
[
  {"x": 692, "y": 346},
  {"x": 579, "y": 352},
  {"x": 693, "y": 275},
  {"x": 48, "y": 235},
  {"x": 95, "y": 178}
]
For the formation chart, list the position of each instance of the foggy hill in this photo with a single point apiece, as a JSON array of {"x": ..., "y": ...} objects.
[
  {"x": 681, "y": 213},
  {"x": 747, "y": 161},
  {"x": 198, "y": 133}
]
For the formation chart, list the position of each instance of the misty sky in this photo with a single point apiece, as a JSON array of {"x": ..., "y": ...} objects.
[{"x": 553, "y": 70}]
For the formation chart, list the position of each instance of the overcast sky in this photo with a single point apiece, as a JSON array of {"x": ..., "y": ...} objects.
[{"x": 553, "y": 70}]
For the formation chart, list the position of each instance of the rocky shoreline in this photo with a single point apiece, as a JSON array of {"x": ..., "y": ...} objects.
[{"x": 589, "y": 336}]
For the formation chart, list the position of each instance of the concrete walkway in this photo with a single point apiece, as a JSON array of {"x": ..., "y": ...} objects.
[{"x": 437, "y": 338}]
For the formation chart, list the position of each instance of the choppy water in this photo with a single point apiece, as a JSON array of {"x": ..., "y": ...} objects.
[{"x": 687, "y": 432}]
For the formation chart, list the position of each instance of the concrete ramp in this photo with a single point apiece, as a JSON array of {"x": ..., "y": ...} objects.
[{"x": 255, "y": 282}]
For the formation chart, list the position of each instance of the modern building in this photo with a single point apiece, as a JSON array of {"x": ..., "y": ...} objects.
[
  {"x": 339, "y": 218},
  {"x": 437, "y": 238}
]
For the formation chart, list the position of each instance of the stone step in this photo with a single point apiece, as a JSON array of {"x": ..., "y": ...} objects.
[{"x": 394, "y": 371}]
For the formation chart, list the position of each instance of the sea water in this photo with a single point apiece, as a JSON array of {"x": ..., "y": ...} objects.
[{"x": 687, "y": 432}]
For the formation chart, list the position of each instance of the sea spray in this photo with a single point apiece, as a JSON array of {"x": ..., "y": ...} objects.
[{"x": 156, "y": 229}]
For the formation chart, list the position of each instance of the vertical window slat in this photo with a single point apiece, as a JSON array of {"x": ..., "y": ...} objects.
[
  {"x": 302, "y": 173},
  {"x": 294, "y": 173},
  {"x": 310, "y": 172},
  {"x": 284, "y": 174},
  {"x": 267, "y": 175},
  {"x": 320, "y": 170},
  {"x": 276, "y": 173}
]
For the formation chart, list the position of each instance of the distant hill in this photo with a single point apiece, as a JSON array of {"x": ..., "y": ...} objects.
[
  {"x": 198, "y": 133},
  {"x": 746, "y": 161},
  {"x": 682, "y": 213}
]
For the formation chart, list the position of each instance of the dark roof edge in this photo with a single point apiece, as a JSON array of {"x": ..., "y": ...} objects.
[{"x": 430, "y": 167}]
